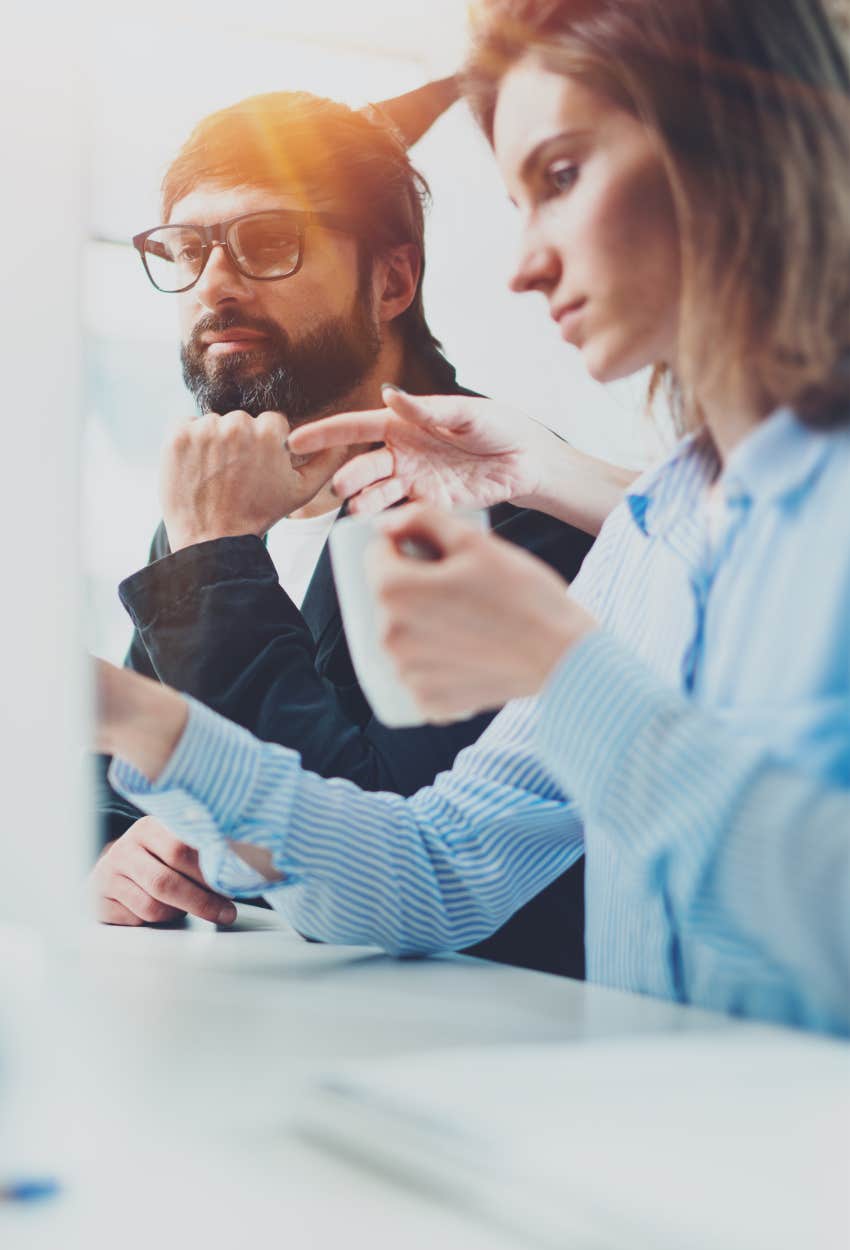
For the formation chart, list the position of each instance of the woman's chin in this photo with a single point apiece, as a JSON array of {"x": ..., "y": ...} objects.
[{"x": 606, "y": 363}]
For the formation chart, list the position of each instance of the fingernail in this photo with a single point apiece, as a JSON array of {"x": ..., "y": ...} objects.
[
  {"x": 226, "y": 913},
  {"x": 391, "y": 386}
]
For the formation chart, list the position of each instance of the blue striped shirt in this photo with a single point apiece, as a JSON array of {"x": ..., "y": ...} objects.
[{"x": 738, "y": 641}]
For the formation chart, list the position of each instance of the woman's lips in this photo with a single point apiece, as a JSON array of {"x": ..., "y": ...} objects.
[{"x": 568, "y": 319}]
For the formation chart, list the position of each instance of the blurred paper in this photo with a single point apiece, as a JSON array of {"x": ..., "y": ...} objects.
[{"x": 737, "y": 1138}]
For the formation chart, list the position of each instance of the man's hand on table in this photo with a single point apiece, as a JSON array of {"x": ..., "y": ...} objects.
[
  {"x": 148, "y": 877},
  {"x": 225, "y": 476}
]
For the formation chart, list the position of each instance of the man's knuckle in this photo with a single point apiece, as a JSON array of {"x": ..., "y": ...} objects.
[
  {"x": 160, "y": 882},
  {"x": 181, "y": 439},
  {"x": 184, "y": 856},
  {"x": 153, "y": 911},
  {"x": 120, "y": 852}
]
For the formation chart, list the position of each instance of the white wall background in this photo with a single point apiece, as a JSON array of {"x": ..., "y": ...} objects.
[{"x": 42, "y": 726}]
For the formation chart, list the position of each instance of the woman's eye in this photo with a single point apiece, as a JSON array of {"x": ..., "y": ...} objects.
[{"x": 560, "y": 176}]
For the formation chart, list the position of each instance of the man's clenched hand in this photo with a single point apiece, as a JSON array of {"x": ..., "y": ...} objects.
[
  {"x": 147, "y": 877},
  {"x": 224, "y": 476}
]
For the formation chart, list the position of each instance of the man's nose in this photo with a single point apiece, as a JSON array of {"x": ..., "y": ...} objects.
[{"x": 220, "y": 281}]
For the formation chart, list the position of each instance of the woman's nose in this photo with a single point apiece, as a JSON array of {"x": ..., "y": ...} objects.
[{"x": 537, "y": 267}]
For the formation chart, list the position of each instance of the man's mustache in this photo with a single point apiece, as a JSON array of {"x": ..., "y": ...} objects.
[{"x": 217, "y": 323}]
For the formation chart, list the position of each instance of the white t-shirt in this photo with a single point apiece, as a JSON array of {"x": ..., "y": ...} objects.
[{"x": 295, "y": 547}]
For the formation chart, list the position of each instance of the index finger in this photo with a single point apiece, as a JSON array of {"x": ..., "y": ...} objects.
[
  {"x": 171, "y": 851},
  {"x": 166, "y": 885},
  {"x": 340, "y": 431}
]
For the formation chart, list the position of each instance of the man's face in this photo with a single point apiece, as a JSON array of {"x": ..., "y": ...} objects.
[{"x": 298, "y": 345}]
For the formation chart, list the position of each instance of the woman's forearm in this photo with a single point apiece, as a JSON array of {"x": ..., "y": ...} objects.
[
  {"x": 137, "y": 719},
  {"x": 575, "y": 487}
]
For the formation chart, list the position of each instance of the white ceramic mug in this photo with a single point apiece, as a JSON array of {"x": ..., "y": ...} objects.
[{"x": 350, "y": 539}]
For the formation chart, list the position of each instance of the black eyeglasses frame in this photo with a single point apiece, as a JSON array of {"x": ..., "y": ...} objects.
[{"x": 216, "y": 235}]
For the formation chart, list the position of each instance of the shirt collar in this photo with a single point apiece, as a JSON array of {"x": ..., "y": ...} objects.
[
  {"x": 777, "y": 462},
  {"x": 673, "y": 488}
]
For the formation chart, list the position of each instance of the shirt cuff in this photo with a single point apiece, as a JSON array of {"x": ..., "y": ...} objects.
[
  {"x": 215, "y": 763},
  {"x": 205, "y": 796}
]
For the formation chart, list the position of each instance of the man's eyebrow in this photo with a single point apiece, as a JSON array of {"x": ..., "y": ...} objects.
[{"x": 533, "y": 158}]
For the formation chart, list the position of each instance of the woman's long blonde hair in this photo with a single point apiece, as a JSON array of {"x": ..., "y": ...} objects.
[{"x": 750, "y": 101}]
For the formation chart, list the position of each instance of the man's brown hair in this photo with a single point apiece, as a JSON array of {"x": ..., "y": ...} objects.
[
  {"x": 750, "y": 103},
  {"x": 318, "y": 149}
]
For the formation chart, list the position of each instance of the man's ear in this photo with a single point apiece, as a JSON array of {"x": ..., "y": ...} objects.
[{"x": 395, "y": 279}]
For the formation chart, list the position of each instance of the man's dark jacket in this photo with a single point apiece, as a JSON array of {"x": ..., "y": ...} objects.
[{"x": 213, "y": 621}]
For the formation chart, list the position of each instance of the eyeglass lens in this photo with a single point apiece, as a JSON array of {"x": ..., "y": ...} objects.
[{"x": 265, "y": 245}]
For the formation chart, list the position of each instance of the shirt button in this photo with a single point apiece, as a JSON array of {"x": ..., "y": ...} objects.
[{"x": 193, "y": 811}]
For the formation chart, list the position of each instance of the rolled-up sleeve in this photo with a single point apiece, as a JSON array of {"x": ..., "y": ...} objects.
[{"x": 435, "y": 872}]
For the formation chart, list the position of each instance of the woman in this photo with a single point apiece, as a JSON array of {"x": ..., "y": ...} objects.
[{"x": 683, "y": 178}]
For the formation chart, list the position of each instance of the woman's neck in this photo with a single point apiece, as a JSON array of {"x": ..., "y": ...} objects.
[{"x": 730, "y": 416}]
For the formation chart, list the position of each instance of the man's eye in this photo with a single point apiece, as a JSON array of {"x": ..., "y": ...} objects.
[
  {"x": 271, "y": 246},
  {"x": 560, "y": 176}
]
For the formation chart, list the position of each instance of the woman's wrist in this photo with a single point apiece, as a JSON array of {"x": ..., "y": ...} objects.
[
  {"x": 162, "y": 719},
  {"x": 138, "y": 719},
  {"x": 575, "y": 487},
  {"x": 559, "y": 638}
]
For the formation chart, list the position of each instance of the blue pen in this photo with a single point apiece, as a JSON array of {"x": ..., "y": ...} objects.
[{"x": 33, "y": 1189}]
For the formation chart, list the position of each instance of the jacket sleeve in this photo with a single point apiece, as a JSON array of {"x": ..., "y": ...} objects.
[
  {"x": 114, "y": 813},
  {"x": 214, "y": 622}
]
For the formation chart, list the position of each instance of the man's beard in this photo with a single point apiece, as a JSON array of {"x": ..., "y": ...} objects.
[{"x": 303, "y": 378}]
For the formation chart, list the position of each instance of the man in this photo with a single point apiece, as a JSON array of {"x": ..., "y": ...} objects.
[{"x": 293, "y": 243}]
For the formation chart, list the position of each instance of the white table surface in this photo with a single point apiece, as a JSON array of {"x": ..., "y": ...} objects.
[{"x": 158, "y": 1073}]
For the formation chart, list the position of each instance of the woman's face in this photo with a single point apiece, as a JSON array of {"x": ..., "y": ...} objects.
[{"x": 599, "y": 232}]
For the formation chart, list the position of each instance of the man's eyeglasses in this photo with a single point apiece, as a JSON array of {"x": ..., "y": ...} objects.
[{"x": 263, "y": 246}]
